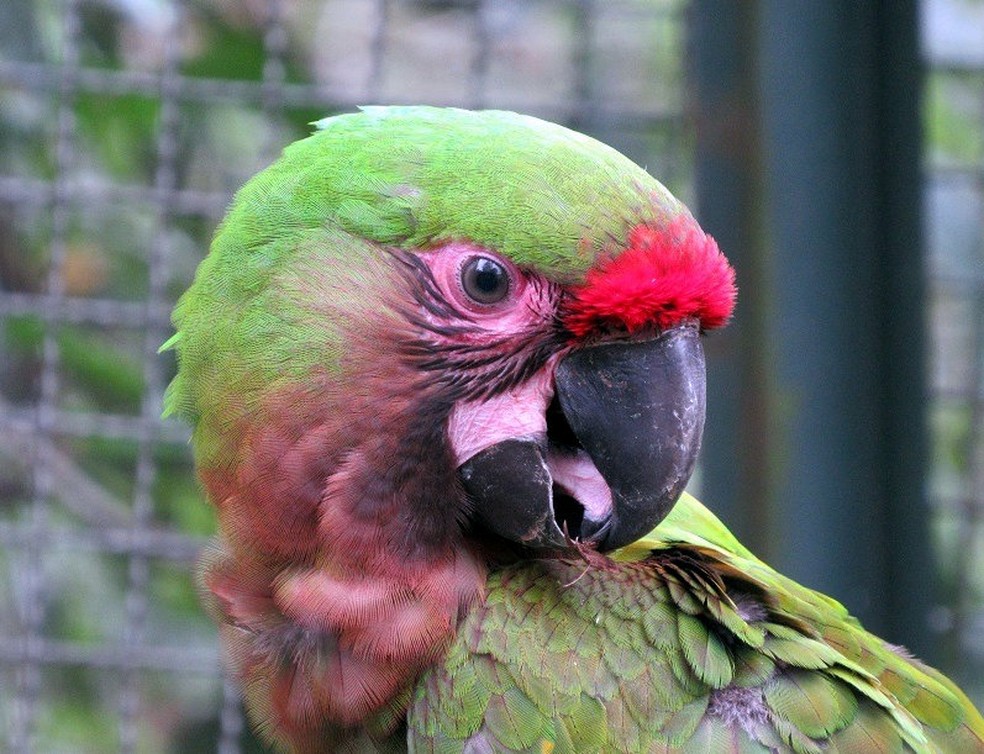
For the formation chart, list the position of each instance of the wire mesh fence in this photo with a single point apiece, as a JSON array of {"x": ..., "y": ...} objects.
[
  {"x": 125, "y": 126},
  {"x": 953, "y": 45}
]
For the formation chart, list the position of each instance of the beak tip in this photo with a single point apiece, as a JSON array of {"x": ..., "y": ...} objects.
[{"x": 637, "y": 407}]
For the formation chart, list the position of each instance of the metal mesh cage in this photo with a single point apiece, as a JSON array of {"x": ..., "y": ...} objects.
[
  {"x": 953, "y": 46},
  {"x": 125, "y": 126}
]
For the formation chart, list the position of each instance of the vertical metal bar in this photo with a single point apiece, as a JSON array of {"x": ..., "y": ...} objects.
[
  {"x": 275, "y": 43},
  {"x": 230, "y": 718},
  {"x": 740, "y": 437},
  {"x": 143, "y": 505},
  {"x": 583, "y": 113},
  {"x": 815, "y": 194},
  {"x": 969, "y": 608},
  {"x": 897, "y": 166},
  {"x": 840, "y": 116},
  {"x": 678, "y": 152},
  {"x": 378, "y": 51},
  {"x": 962, "y": 628},
  {"x": 479, "y": 69}
]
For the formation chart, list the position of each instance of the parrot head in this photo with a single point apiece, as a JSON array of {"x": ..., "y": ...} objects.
[{"x": 424, "y": 339}]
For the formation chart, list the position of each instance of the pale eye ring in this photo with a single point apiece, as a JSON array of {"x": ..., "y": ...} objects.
[{"x": 484, "y": 280}]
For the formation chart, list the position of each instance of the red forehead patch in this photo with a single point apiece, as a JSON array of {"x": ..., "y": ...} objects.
[{"x": 664, "y": 276}]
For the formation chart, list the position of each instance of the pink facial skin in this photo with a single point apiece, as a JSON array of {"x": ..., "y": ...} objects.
[
  {"x": 521, "y": 411},
  {"x": 529, "y": 302},
  {"x": 518, "y": 413}
]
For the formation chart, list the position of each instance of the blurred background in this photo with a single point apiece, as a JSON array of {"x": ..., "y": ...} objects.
[{"x": 836, "y": 150}]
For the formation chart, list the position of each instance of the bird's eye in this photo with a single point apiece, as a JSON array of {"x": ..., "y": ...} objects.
[{"x": 484, "y": 280}]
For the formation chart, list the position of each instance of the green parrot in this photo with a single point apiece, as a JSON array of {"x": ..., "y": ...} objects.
[{"x": 446, "y": 381}]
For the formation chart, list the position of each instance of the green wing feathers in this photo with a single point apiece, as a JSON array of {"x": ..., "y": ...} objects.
[{"x": 690, "y": 646}]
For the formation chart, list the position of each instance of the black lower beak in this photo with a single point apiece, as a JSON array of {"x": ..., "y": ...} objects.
[
  {"x": 511, "y": 487},
  {"x": 636, "y": 408}
]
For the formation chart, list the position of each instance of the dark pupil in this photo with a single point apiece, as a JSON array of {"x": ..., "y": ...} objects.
[
  {"x": 488, "y": 276},
  {"x": 485, "y": 281}
]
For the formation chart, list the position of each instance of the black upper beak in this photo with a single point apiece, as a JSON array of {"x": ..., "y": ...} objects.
[{"x": 636, "y": 408}]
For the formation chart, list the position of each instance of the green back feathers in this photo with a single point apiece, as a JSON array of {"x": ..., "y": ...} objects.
[
  {"x": 300, "y": 242},
  {"x": 656, "y": 656}
]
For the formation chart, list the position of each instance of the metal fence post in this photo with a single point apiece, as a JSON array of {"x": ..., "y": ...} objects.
[{"x": 832, "y": 341}]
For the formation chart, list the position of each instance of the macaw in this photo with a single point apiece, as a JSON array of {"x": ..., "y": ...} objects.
[{"x": 445, "y": 376}]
